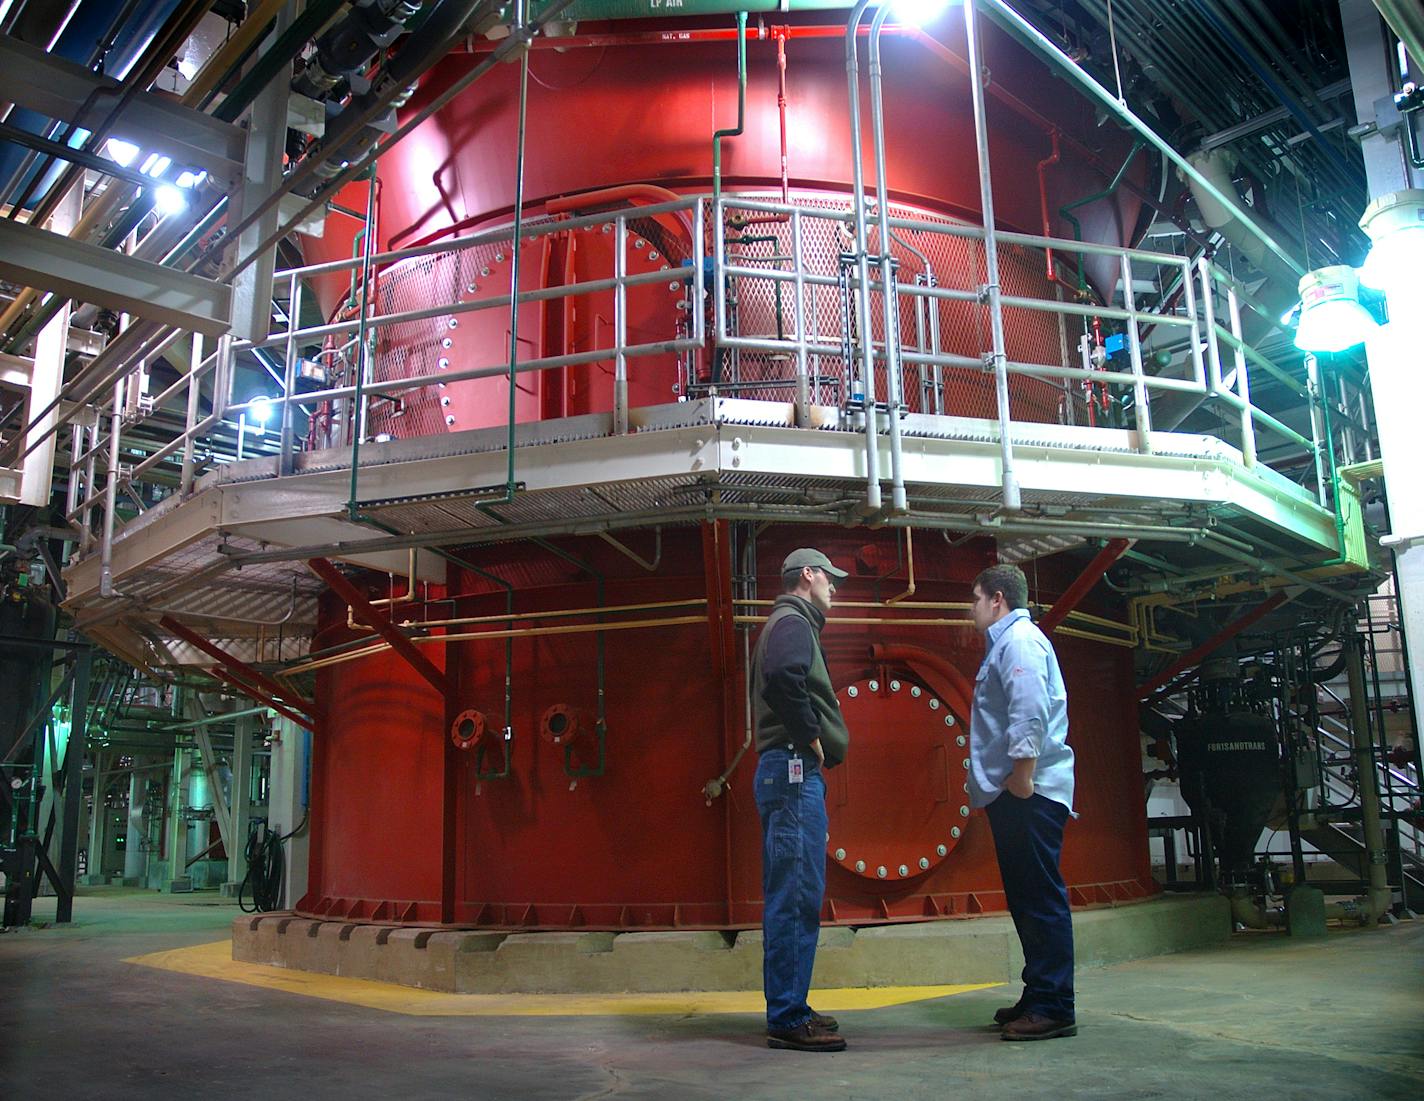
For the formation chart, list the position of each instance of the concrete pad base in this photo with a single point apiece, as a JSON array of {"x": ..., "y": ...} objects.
[{"x": 970, "y": 950}]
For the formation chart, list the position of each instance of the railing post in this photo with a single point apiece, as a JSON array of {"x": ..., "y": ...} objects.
[
  {"x": 620, "y": 325},
  {"x": 1243, "y": 382},
  {"x": 1142, "y": 413},
  {"x": 803, "y": 382},
  {"x": 699, "y": 274},
  {"x": 1213, "y": 348},
  {"x": 1189, "y": 301},
  {"x": 195, "y": 389},
  {"x": 111, "y": 491},
  {"x": 289, "y": 376},
  {"x": 91, "y": 466}
]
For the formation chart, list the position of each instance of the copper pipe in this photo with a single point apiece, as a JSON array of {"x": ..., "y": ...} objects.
[
  {"x": 521, "y": 632},
  {"x": 910, "y": 563}
]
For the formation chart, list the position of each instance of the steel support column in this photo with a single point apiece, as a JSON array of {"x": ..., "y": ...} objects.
[
  {"x": 74, "y": 787},
  {"x": 261, "y": 176}
]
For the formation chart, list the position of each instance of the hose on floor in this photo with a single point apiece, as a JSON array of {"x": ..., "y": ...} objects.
[{"x": 266, "y": 868}]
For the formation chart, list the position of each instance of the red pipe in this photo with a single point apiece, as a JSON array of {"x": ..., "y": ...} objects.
[
  {"x": 650, "y": 194},
  {"x": 956, "y": 687},
  {"x": 1073, "y": 595},
  {"x": 779, "y": 33},
  {"x": 1226, "y": 634},
  {"x": 1051, "y": 269}
]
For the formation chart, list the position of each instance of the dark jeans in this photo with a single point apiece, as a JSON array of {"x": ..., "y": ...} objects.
[
  {"x": 793, "y": 880},
  {"x": 1028, "y": 838}
]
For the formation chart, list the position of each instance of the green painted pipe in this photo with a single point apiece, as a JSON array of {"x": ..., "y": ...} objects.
[{"x": 718, "y": 135}]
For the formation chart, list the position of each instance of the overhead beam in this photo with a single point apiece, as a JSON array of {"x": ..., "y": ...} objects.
[
  {"x": 62, "y": 90},
  {"x": 37, "y": 258}
]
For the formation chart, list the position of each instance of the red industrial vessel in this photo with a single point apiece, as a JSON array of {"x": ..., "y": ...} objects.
[{"x": 597, "y": 812}]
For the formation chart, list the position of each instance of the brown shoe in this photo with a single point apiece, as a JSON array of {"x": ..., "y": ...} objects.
[
  {"x": 1035, "y": 1026},
  {"x": 807, "y": 1037},
  {"x": 1008, "y": 1013},
  {"x": 825, "y": 1021}
]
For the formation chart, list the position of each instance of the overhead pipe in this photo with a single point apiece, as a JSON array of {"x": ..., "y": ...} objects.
[
  {"x": 1007, "y": 17},
  {"x": 889, "y": 289},
  {"x": 862, "y": 270},
  {"x": 1012, "y": 499},
  {"x": 1406, "y": 19}
]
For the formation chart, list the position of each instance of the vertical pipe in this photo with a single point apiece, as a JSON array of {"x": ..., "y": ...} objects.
[
  {"x": 195, "y": 388},
  {"x": 1243, "y": 381},
  {"x": 889, "y": 290},
  {"x": 1012, "y": 499},
  {"x": 718, "y": 135},
  {"x": 289, "y": 376},
  {"x": 133, "y": 838},
  {"x": 1142, "y": 411},
  {"x": 861, "y": 291},
  {"x": 803, "y": 386}
]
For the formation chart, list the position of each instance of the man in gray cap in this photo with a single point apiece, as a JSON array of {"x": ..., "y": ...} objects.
[{"x": 799, "y": 732}]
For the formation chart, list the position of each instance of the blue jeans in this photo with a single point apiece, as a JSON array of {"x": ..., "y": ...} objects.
[
  {"x": 1028, "y": 838},
  {"x": 793, "y": 880}
]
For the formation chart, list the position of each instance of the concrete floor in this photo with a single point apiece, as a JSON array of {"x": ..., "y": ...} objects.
[{"x": 1265, "y": 1017}]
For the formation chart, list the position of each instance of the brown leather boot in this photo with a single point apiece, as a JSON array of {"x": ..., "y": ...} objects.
[
  {"x": 825, "y": 1021},
  {"x": 1008, "y": 1013},
  {"x": 1035, "y": 1026},
  {"x": 807, "y": 1037}
]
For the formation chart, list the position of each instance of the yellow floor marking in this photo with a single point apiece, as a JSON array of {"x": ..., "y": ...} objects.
[{"x": 214, "y": 961}]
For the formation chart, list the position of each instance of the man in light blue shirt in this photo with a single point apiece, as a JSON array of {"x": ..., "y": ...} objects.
[{"x": 1021, "y": 769}]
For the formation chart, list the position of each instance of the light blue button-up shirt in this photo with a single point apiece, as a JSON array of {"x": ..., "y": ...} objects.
[{"x": 1020, "y": 710}]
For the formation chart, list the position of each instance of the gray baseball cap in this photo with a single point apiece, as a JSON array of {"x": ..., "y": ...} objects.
[{"x": 809, "y": 556}]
